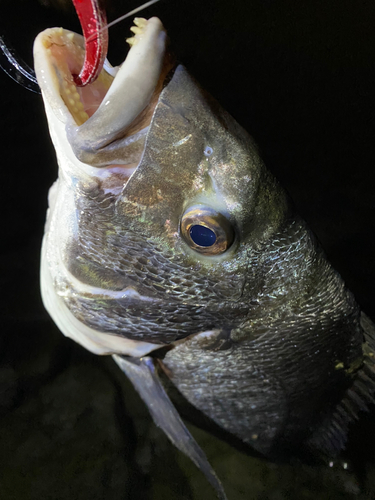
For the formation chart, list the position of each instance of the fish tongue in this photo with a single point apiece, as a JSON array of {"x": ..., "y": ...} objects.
[{"x": 115, "y": 133}]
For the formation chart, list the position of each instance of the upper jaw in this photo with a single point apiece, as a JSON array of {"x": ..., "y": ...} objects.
[{"x": 106, "y": 122}]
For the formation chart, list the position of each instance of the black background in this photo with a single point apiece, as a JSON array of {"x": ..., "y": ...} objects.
[{"x": 299, "y": 76}]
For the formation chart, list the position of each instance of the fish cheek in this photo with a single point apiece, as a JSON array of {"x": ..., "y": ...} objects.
[{"x": 92, "y": 274}]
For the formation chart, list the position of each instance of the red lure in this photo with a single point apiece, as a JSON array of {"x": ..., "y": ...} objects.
[{"x": 93, "y": 21}]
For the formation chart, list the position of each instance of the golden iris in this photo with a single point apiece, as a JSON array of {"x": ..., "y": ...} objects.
[{"x": 206, "y": 231}]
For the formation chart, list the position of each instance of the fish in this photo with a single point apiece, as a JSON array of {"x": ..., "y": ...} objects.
[{"x": 279, "y": 373}]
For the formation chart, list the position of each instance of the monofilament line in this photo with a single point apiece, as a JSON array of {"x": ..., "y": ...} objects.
[{"x": 119, "y": 19}]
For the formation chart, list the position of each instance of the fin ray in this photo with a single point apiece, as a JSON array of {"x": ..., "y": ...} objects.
[
  {"x": 332, "y": 436},
  {"x": 142, "y": 373}
]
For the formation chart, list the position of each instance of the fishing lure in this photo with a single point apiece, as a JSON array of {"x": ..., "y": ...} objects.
[{"x": 94, "y": 26}]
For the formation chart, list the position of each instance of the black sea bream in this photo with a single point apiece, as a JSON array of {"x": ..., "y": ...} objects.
[{"x": 169, "y": 245}]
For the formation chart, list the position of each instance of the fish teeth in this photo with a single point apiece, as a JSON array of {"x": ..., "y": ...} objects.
[
  {"x": 141, "y": 22},
  {"x": 84, "y": 116},
  {"x": 138, "y": 30},
  {"x": 131, "y": 41},
  {"x": 66, "y": 54},
  {"x": 73, "y": 101}
]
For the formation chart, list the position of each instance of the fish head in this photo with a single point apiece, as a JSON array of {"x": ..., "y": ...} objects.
[{"x": 149, "y": 164}]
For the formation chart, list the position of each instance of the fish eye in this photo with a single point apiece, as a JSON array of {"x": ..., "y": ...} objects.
[{"x": 206, "y": 231}]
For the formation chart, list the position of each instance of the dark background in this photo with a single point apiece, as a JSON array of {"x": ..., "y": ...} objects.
[{"x": 299, "y": 76}]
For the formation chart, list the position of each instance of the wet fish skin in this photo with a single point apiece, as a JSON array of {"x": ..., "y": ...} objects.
[
  {"x": 274, "y": 372},
  {"x": 282, "y": 338},
  {"x": 153, "y": 258}
]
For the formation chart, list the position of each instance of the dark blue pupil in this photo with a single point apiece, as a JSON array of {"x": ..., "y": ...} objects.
[{"x": 202, "y": 236}]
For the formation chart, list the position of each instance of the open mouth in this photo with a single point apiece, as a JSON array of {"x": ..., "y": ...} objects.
[
  {"x": 66, "y": 54},
  {"x": 105, "y": 122}
]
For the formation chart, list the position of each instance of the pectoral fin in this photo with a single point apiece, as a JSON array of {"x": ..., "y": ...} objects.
[{"x": 142, "y": 373}]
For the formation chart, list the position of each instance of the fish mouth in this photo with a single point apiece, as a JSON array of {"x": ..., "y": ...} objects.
[{"x": 105, "y": 122}]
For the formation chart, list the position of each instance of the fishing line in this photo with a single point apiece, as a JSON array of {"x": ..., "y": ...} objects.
[
  {"x": 119, "y": 19},
  {"x": 15, "y": 67}
]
